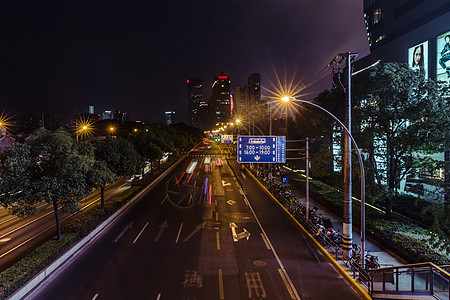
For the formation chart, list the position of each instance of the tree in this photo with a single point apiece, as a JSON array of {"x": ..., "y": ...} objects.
[
  {"x": 119, "y": 156},
  {"x": 99, "y": 176},
  {"x": 144, "y": 145},
  {"x": 49, "y": 169},
  {"x": 393, "y": 105}
]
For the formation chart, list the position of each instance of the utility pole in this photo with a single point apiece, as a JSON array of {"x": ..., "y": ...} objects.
[{"x": 347, "y": 225}]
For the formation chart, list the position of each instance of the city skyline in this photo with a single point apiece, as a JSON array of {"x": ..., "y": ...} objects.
[{"x": 61, "y": 57}]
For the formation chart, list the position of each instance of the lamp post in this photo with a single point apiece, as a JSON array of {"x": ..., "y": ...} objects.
[{"x": 361, "y": 167}]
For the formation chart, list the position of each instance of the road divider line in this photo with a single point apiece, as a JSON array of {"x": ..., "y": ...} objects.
[
  {"x": 217, "y": 216},
  {"x": 286, "y": 284},
  {"x": 159, "y": 296},
  {"x": 179, "y": 232},
  {"x": 288, "y": 279},
  {"x": 164, "y": 200},
  {"x": 265, "y": 241},
  {"x": 218, "y": 240},
  {"x": 221, "y": 293},
  {"x": 95, "y": 296},
  {"x": 142, "y": 230}
]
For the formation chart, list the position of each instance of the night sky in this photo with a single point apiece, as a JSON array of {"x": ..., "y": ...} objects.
[{"x": 135, "y": 56}]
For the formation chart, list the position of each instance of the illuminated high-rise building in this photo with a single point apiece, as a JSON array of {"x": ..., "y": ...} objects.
[
  {"x": 416, "y": 32},
  {"x": 220, "y": 102},
  {"x": 195, "y": 99},
  {"x": 241, "y": 101}
]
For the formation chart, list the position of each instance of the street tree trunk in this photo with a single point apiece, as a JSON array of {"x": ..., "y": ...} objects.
[
  {"x": 58, "y": 224},
  {"x": 102, "y": 196}
]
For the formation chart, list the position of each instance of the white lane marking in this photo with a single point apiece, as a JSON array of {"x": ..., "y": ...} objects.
[
  {"x": 221, "y": 294},
  {"x": 164, "y": 200},
  {"x": 217, "y": 216},
  {"x": 95, "y": 296},
  {"x": 288, "y": 279},
  {"x": 218, "y": 240},
  {"x": 195, "y": 183},
  {"x": 179, "y": 232},
  {"x": 122, "y": 185},
  {"x": 243, "y": 175},
  {"x": 265, "y": 242},
  {"x": 142, "y": 230},
  {"x": 286, "y": 284},
  {"x": 159, "y": 296}
]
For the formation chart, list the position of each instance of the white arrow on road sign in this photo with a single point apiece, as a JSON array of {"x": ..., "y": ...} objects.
[{"x": 257, "y": 157}]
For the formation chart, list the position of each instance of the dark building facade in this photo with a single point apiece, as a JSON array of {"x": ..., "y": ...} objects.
[
  {"x": 195, "y": 100},
  {"x": 416, "y": 32},
  {"x": 220, "y": 102}
]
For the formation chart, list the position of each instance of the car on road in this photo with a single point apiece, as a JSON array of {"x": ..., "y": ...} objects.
[{"x": 219, "y": 162}]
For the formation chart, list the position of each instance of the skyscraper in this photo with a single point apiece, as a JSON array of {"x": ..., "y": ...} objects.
[
  {"x": 170, "y": 117},
  {"x": 220, "y": 106},
  {"x": 409, "y": 31},
  {"x": 241, "y": 99},
  {"x": 195, "y": 99}
]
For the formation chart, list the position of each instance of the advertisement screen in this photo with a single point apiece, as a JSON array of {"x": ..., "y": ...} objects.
[
  {"x": 443, "y": 57},
  {"x": 418, "y": 58}
]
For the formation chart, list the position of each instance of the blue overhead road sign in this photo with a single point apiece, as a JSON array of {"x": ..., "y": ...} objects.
[{"x": 262, "y": 149}]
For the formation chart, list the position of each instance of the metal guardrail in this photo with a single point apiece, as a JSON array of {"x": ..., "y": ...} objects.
[{"x": 421, "y": 278}]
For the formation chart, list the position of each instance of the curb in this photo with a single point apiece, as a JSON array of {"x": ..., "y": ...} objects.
[
  {"x": 325, "y": 252},
  {"x": 57, "y": 265}
]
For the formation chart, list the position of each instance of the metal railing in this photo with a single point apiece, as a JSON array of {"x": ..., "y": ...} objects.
[{"x": 421, "y": 278}]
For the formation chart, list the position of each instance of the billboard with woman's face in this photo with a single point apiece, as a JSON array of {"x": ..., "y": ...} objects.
[
  {"x": 418, "y": 58},
  {"x": 443, "y": 57}
]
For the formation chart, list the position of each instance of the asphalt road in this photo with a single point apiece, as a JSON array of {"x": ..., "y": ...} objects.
[
  {"x": 19, "y": 236},
  {"x": 165, "y": 247}
]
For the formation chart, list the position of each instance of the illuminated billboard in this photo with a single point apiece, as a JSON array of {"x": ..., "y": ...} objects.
[
  {"x": 443, "y": 57},
  {"x": 418, "y": 58}
]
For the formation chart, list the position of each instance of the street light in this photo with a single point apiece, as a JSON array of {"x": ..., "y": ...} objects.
[
  {"x": 361, "y": 167},
  {"x": 84, "y": 128}
]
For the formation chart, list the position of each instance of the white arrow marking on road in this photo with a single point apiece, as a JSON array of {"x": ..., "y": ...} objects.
[
  {"x": 128, "y": 226},
  {"x": 239, "y": 236},
  {"x": 224, "y": 183},
  {"x": 197, "y": 228},
  {"x": 161, "y": 229},
  {"x": 243, "y": 234},
  {"x": 233, "y": 231}
]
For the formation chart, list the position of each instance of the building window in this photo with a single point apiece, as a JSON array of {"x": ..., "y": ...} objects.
[{"x": 377, "y": 16}]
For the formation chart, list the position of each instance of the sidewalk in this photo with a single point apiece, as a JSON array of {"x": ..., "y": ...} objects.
[{"x": 386, "y": 258}]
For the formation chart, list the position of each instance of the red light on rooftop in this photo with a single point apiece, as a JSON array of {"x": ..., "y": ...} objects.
[
  {"x": 222, "y": 77},
  {"x": 187, "y": 81}
]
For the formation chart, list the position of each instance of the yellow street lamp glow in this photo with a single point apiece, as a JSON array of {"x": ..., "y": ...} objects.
[
  {"x": 286, "y": 99},
  {"x": 135, "y": 130}
]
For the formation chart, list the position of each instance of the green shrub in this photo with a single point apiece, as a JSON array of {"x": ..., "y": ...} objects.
[{"x": 13, "y": 278}]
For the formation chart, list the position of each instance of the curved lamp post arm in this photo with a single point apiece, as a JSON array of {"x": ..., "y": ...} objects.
[{"x": 361, "y": 167}]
